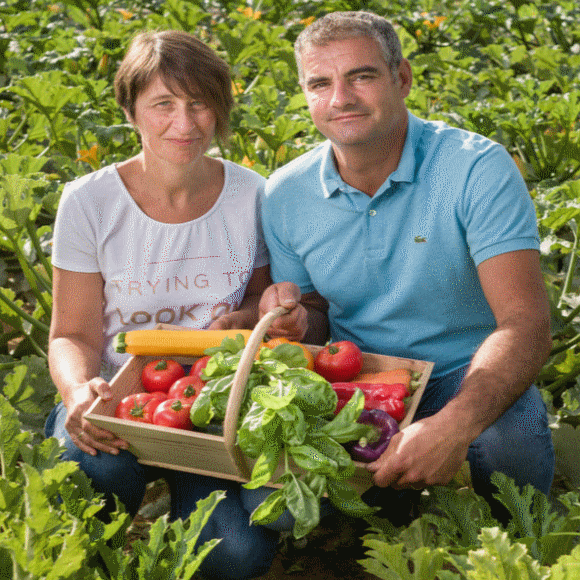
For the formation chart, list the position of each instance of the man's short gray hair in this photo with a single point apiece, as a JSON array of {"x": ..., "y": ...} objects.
[{"x": 344, "y": 25}]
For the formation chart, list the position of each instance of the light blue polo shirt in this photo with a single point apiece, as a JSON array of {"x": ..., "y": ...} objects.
[{"x": 399, "y": 269}]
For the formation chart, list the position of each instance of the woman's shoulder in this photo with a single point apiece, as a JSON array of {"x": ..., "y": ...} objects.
[
  {"x": 97, "y": 183},
  {"x": 242, "y": 175}
]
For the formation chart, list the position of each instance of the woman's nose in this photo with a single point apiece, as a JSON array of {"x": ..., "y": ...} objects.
[{"x": 184, "y": 118}]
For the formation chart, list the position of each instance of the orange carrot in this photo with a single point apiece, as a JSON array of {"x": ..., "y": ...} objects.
[{"x": 387, "y": 377}]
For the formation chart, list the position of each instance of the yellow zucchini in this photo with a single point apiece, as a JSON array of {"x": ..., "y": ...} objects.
[{"x": 173, "y": 342}]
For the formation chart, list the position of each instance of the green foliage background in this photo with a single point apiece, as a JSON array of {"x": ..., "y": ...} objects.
[{"x": 509, "y": 70}]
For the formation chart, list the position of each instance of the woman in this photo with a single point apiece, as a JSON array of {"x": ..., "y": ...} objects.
[{"x": 169, "y": 235}]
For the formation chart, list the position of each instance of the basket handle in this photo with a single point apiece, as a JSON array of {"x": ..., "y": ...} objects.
[{"x": 239, "y": 387}]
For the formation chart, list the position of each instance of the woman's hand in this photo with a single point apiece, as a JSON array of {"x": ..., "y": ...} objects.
[
  {"x": 293, "y": 325},
  {"x": 86, "y": 436}
]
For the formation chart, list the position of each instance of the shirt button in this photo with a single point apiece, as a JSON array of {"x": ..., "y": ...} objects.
[{"x": 372, "y": 212}]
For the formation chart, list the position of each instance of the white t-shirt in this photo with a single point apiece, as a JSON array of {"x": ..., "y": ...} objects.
[{"x": 186, "y": 274}]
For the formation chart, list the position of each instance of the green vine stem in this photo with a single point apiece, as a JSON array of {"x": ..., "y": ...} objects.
[
  {"x": 562, "y": 384},
  {"x": 565, "y": 345},
  {"x": 571, "y": 266},
  {"x": 23, "y": 314},
  {"x": 31, "y": 229}
]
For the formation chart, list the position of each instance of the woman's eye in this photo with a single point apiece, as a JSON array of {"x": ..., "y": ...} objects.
[{"x": 198, "y": 105}]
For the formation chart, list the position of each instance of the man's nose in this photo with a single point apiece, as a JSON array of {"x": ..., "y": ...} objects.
[{"x": 342, "y": 94}]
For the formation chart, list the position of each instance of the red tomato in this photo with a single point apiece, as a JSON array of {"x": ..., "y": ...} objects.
[
  {"x": 173, "y": 413},
  {"x": 186, "y": 388},
  {"x": 339, "y": 361},
  {"x": 159, "y": 395},
  {"x": 199, "y": 365},
  {"x": 159, "y": 375},
  {"x": 139, "y": 407}
]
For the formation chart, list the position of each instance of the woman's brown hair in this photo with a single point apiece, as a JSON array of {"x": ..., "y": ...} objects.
[{"x": 183, "y": 62}]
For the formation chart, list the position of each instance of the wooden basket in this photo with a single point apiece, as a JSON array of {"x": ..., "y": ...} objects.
[{"x": 216, "y": 455}]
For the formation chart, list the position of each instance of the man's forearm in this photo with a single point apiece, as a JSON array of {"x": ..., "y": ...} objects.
[{"x": 502, "y": 369}]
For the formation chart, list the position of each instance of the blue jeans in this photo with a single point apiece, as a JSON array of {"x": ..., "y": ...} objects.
[
  {"x": 518, "y": 444},
  {"x": 244, "y": 552}
]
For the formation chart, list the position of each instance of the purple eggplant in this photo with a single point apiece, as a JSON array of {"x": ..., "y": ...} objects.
[{"x": 368, "y": 451}]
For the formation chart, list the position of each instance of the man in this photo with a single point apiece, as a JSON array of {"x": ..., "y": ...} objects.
[{"x": 417, "y": 240}]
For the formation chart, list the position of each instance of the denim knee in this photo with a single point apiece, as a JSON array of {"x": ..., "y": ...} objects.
[
  {"x": 245, "y": 551},
  {"x": 121, "y": 475},
  {"x": 518, "y": 444}
]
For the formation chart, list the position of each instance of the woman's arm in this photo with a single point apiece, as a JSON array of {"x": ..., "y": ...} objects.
[
  {"x": 246, "y": 316},
  {"x": 74, "y": 355}
]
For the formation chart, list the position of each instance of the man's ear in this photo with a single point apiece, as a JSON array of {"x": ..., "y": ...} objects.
[{"x": 405, "y": 76}]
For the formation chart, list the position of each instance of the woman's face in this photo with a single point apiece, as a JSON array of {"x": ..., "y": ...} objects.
[{"x": 175, "y": 128}]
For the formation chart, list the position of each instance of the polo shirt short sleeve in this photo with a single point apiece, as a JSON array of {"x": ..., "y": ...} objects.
[{"x": 399, "y": 269}]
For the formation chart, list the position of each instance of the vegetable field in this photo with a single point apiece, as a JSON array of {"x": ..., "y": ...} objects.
[{"x": 509, "y": 70}]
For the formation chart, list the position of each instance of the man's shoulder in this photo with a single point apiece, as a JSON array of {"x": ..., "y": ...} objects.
[
  {"x": 440, "y": 134},
  {"x": 305, "y": 168}
]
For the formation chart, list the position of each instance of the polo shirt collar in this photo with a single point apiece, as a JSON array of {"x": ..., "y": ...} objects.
[{"x": 333, "y": 184}]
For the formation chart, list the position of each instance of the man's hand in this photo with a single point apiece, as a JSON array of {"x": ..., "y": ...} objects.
[
  {"x": 428, "y": 452},
  {"x": 293, "y": 325}
]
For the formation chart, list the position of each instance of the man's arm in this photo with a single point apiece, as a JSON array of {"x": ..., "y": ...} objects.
[
  {"x": 432, "y": 450},
  {"x": 307, "y": 320}
]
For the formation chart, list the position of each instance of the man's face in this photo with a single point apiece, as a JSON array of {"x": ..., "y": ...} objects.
[{"x": 353, "y": 97}]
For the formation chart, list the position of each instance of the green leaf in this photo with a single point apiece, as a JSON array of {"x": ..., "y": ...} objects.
[
  {"x": 266, "y": 464},
  {"x": 303, "y": 504},
  {"x": 567, "y": 567},
  {"x": 275, "y": 396},
  {"x": 228, "y": 346},
  {"x": 344, "y": 428},
  {"x": 270, "y": 509},
  {"x": 313, "y": 461},
  {"x": 314, "y": 395},
  {"x": 347, "y": 500},
  {"x": 258, "y": 426},
  {"x": 464, "y": 514},
  {"x": 290, "y": 354},
  {"x": 499, "y": 558},
  {"x": 202, "y": 412},
  {"x": 335, "y": 451},
  {"x": 293, "y": 423},
  {"x": 386, "y": 561},
  {"x": 9, "y": 438},
  {"x": 17, "y": 202}
]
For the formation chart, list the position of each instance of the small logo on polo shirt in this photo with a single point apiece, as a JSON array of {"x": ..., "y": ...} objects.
[{"x": 420, "y": 239}]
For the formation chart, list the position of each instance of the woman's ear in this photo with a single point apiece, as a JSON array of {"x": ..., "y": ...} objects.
[{"x": 130, "y": 119}]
